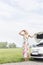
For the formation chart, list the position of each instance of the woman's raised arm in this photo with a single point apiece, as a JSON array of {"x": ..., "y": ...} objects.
[{"x": 20, "y": 33}]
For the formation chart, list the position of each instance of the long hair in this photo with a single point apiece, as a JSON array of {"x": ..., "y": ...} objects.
[{"x": 25, "y": 31}]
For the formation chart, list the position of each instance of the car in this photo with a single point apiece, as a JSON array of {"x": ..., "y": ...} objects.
[{"x": 37, "y": 50}]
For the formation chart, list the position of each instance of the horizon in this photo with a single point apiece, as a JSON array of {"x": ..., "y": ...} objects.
[{"x": 16, "y": 15}]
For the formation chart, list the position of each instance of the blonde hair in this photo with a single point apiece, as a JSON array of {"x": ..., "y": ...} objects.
[{"x": 25, "y": 31}]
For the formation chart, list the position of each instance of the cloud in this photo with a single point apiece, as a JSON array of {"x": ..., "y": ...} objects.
[
  {"x": 16, "y": 9},
  {"x": 16, "y": 15}
]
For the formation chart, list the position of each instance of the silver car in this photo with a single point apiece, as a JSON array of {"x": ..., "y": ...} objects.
[{"x": 37, "y": 50}]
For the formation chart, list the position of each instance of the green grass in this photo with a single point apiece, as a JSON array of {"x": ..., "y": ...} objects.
[{"x": 11, "y": 55}]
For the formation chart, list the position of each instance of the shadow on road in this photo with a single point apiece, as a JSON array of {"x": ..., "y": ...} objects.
[{"x": 36, "y": 60}]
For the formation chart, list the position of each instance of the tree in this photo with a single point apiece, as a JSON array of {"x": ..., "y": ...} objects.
[
  {"x": 12, "y": 45},
  {"x": 3, "y": 44}
]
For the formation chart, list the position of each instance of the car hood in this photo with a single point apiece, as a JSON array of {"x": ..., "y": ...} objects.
[{"x": 38, "y": 36}]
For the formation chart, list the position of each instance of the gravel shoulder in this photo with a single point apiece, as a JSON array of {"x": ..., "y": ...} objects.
[{"x": 25, "y": 63}]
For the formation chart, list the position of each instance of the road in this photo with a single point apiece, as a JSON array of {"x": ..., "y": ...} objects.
[{"x": 26, "y": 63}]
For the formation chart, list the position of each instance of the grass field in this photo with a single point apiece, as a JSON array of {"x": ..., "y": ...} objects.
[{"x": 11, "y": 55}]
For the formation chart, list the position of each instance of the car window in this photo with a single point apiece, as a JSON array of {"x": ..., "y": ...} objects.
[{"x": 41, "y": 44}]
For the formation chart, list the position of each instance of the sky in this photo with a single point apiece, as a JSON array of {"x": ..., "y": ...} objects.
[{"x": 16, "y": 15}]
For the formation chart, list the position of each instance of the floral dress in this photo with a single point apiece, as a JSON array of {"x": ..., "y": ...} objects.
[{"x": 25, "y": 47}]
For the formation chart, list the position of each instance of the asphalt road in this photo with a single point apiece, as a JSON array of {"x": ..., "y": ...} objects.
[{"x": 26, "y": 63}]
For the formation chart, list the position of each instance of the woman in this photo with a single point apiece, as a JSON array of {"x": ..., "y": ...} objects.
[{"x": 25, "y": 35}]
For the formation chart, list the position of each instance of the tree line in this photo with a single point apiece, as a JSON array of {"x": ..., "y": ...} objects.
[{"x": 7, "y": 45}]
